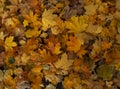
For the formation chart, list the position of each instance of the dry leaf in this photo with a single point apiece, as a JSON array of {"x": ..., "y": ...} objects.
[
  {"x": 9, "y": 43},
  {"x": 32, "y": 33},
  {"x": 48, "y": 19},
  {"x": 77, "y": 24},
  {"x": 54, "y": 48},
  {"x": 47, "y": 57},
  {"x": 63, "y": 63},
  {"x": 74, "y": 44}
]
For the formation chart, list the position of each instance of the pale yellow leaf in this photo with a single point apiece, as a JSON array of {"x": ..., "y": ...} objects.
[
  {"x": 48, "y": 18},
  {"x": 9, "y": 43}
]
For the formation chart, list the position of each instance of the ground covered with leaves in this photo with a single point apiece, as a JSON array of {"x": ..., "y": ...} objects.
[{"x": 59, "y": 44}]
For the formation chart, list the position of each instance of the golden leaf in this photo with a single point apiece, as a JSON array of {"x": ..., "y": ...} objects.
[
  {"x": 54, "y": 48},
  {"x": 47, "y": 57},
  {"x": 9, "y": 43},
  {"x": 32, "y": 19},
  {"x": 32, "y": 33},
  {"x": 77, "y": 24},
  {"x": 48, "y": 18},
  {"x": 64, "y": 63},
  {"x": 72, "y": 81}
]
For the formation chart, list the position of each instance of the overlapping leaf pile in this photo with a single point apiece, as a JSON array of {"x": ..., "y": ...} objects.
[{"x": 59, "y": 44}]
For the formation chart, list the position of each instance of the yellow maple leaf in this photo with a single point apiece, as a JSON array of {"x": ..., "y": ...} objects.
[
  {"x": 48, "y": 18},
  {"x": 32, "y": 33},
  {"x": 9, "y": 43},
  {"x": 73, "y": 44},
  {"x": 77, "y": 24},
  {"x": 32, "y": 19},
  {"x": 63, "y": 63}
]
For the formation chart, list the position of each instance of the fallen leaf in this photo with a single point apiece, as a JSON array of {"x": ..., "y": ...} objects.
[
  {"x": 48, "y": 19},
  {"x": 74, "y": 44},
  {"x": 63, "y": 63},
  {"x": 32, "y": 33},
  {"x": 9, "y": 43},
  {"x": 54, "y": 48},
  {"x": 47, "y": 57},
  {"x": 77, "y": 24}
]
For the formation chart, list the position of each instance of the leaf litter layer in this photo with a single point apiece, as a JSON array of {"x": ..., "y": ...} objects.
[{"x": 59, "y": 44}]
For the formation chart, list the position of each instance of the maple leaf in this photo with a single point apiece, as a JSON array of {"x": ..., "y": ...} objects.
[
  {"x": 54, "y": 48},
  {"x": 47, "y": 57},
  {"x": 9, "y": 43},
  {"x": 35, "y": 74},
  {"x": 82, "y": 52},
  {"x": 30, "y": 45},
  {"x": 72, "y": 81},
  {"x": 90, "y": 9},
  {"x": 48, "y": 18},
  {"x": 63, "y": 63},
  {"x": 32, "y": 33},
  {"x": 80, "y": 66},
  {"x": 94, "y": 29},
  {"x": 74, "y": 44},
  {"x": 77, "y": 24},
  {"x": 32, "y": 19}
]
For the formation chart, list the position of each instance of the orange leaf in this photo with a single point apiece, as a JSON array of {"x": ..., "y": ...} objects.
[
  {"x": 74, "y": 44},
  {"x": 82, "y": 52},
  {"x": 54, "y": 48},
  {"x": 46, "y": 56}
]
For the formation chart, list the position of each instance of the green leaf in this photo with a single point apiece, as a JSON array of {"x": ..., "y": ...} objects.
[{"x": 105, "y": 72}]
